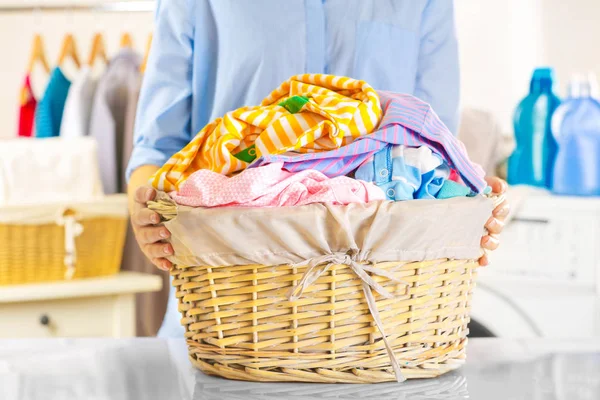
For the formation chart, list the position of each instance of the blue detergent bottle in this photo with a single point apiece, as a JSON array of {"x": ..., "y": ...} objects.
[
  {"x": 532, "y": 161},
  {"x": 576, "y": 127}
]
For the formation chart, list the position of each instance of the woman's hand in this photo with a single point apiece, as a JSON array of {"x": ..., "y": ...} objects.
[
  {"x": 496, "y": 222},
  {"x": 148, "y": 236}
]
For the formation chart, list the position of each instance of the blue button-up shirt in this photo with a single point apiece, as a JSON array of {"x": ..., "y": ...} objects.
[{"x": 213, "y": 56}]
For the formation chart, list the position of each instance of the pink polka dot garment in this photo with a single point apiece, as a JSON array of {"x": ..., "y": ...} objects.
[{"x": 271, "y": 186}]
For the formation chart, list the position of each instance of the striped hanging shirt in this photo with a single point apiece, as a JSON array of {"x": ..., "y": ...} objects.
[
  {"x": 406, "y": 121},
  {"x": 308, "y": 113}
]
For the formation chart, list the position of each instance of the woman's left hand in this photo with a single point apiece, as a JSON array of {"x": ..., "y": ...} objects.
[{"x": 496, "y": 222}]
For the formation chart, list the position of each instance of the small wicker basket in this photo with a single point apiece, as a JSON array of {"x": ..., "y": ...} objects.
[
  {"x": 267, "y": 323},
  {"x": 38, "y": 252}
]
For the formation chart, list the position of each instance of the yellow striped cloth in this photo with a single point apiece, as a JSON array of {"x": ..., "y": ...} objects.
[{"x": 334, "y": 111}]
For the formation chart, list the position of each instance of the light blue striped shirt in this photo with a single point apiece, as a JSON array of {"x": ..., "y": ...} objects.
[
  {"x": 213, "y": 56},
  {"x": 406, "y": 121}
]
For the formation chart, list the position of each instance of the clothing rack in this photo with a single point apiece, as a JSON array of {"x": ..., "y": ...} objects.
[{"x": 116, "y": 6}]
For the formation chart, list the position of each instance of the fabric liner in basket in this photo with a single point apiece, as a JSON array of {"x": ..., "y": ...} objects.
[{"x": 322, "y": 293}]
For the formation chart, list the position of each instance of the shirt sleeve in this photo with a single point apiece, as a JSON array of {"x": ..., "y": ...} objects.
[
  {"x": 163, "y": 122},
  {"x": 438, "y": 74}
]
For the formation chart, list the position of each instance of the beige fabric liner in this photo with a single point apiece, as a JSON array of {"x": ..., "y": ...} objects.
[{"x": 374, "y": 232}]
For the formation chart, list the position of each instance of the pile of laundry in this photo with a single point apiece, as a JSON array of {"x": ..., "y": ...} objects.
[{"x": 322, "y": 139}]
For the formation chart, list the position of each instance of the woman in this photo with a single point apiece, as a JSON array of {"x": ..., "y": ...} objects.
[{"x": 213, "y": 56}]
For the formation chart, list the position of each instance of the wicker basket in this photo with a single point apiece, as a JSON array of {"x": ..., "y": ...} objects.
[
  {"x": 32, "y": 253},
  {"x": 332, "y": 319},
  {"x": 240, "y": 324}
]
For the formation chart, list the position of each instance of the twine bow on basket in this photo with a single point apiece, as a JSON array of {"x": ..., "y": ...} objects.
[
  {"x": 317, "y": 266},
  {"x": 70, "y": 220}
]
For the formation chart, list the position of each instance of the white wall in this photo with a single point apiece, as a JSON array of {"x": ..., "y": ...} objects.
[
  {"x": 500, "y": 43},
  {"x": 571, "y": 31}
]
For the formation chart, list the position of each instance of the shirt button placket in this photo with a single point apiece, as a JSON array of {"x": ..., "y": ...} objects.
[{"x": 315, "y": 36}]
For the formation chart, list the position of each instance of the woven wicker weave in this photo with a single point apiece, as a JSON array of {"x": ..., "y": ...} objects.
[
  {"x": 240, "y": 324},
  {"x": 35, "y": 253}
]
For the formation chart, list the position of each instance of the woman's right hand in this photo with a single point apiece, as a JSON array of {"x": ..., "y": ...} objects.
[{"x": 149, "y": 236}]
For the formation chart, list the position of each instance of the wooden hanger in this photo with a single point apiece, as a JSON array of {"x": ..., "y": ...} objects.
[
  {"x": 69, "y": 49},
  {"x": 126, "y": 41},
  {"x": 98, "y": 50},
  {"x": 146, "y": 55},
  {"x": 38, "y": 54}
]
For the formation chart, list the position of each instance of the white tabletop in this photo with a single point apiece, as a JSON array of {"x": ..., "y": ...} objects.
[{"x": 156, "y": 369}]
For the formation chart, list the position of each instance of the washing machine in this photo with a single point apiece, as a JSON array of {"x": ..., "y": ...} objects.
[{"x": 544, "y": 279}]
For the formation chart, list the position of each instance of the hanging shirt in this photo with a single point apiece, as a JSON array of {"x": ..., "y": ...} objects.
[
  {"x": 130, "y": 113},
  {"x": 49, "y": 113},
  {"x": 27, "y": 109},
  {"x": 107, "y": 120},
  {"x": 211, "y": 57},
  {"x": 76, "y": 117}
]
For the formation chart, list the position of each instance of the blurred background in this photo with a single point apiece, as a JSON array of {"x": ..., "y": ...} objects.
[
  {"x": 500, "y": 44},
  {"x": 543, "y": 281}
]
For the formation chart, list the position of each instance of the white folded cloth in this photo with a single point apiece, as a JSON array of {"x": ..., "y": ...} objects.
[{"x": 54, "y": 170}]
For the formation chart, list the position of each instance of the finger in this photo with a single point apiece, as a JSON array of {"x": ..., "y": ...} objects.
[
  {"x": 145, "y": 217},
  {"x": 494, "y": 226},
  {"x": 148, "y": 235},
  {"x": 144, "y": 194},
  {"x": 158, "y": 250},
  {"x": 490, "y": 242},
  {"x": 162, "y": 263},
  {"x": 498, "y": 185},
  {"x": 502, "y": 210},
  {"x": 484, "y": 261}
]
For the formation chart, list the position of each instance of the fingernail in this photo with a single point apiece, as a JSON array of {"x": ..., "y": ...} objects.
[
  {"x": 164, "y": 266},
  {"x": 501, "y": 212},
  {"x": 155, "y": 219},
  {"x": 149, "y": 193},
  {"x": 164, "y": 234},
  {"x": 492, "y": 241},
  {"x": 167, "y": 250}
]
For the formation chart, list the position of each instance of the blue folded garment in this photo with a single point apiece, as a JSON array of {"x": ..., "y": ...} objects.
[{"x": 407, "y": 173}]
